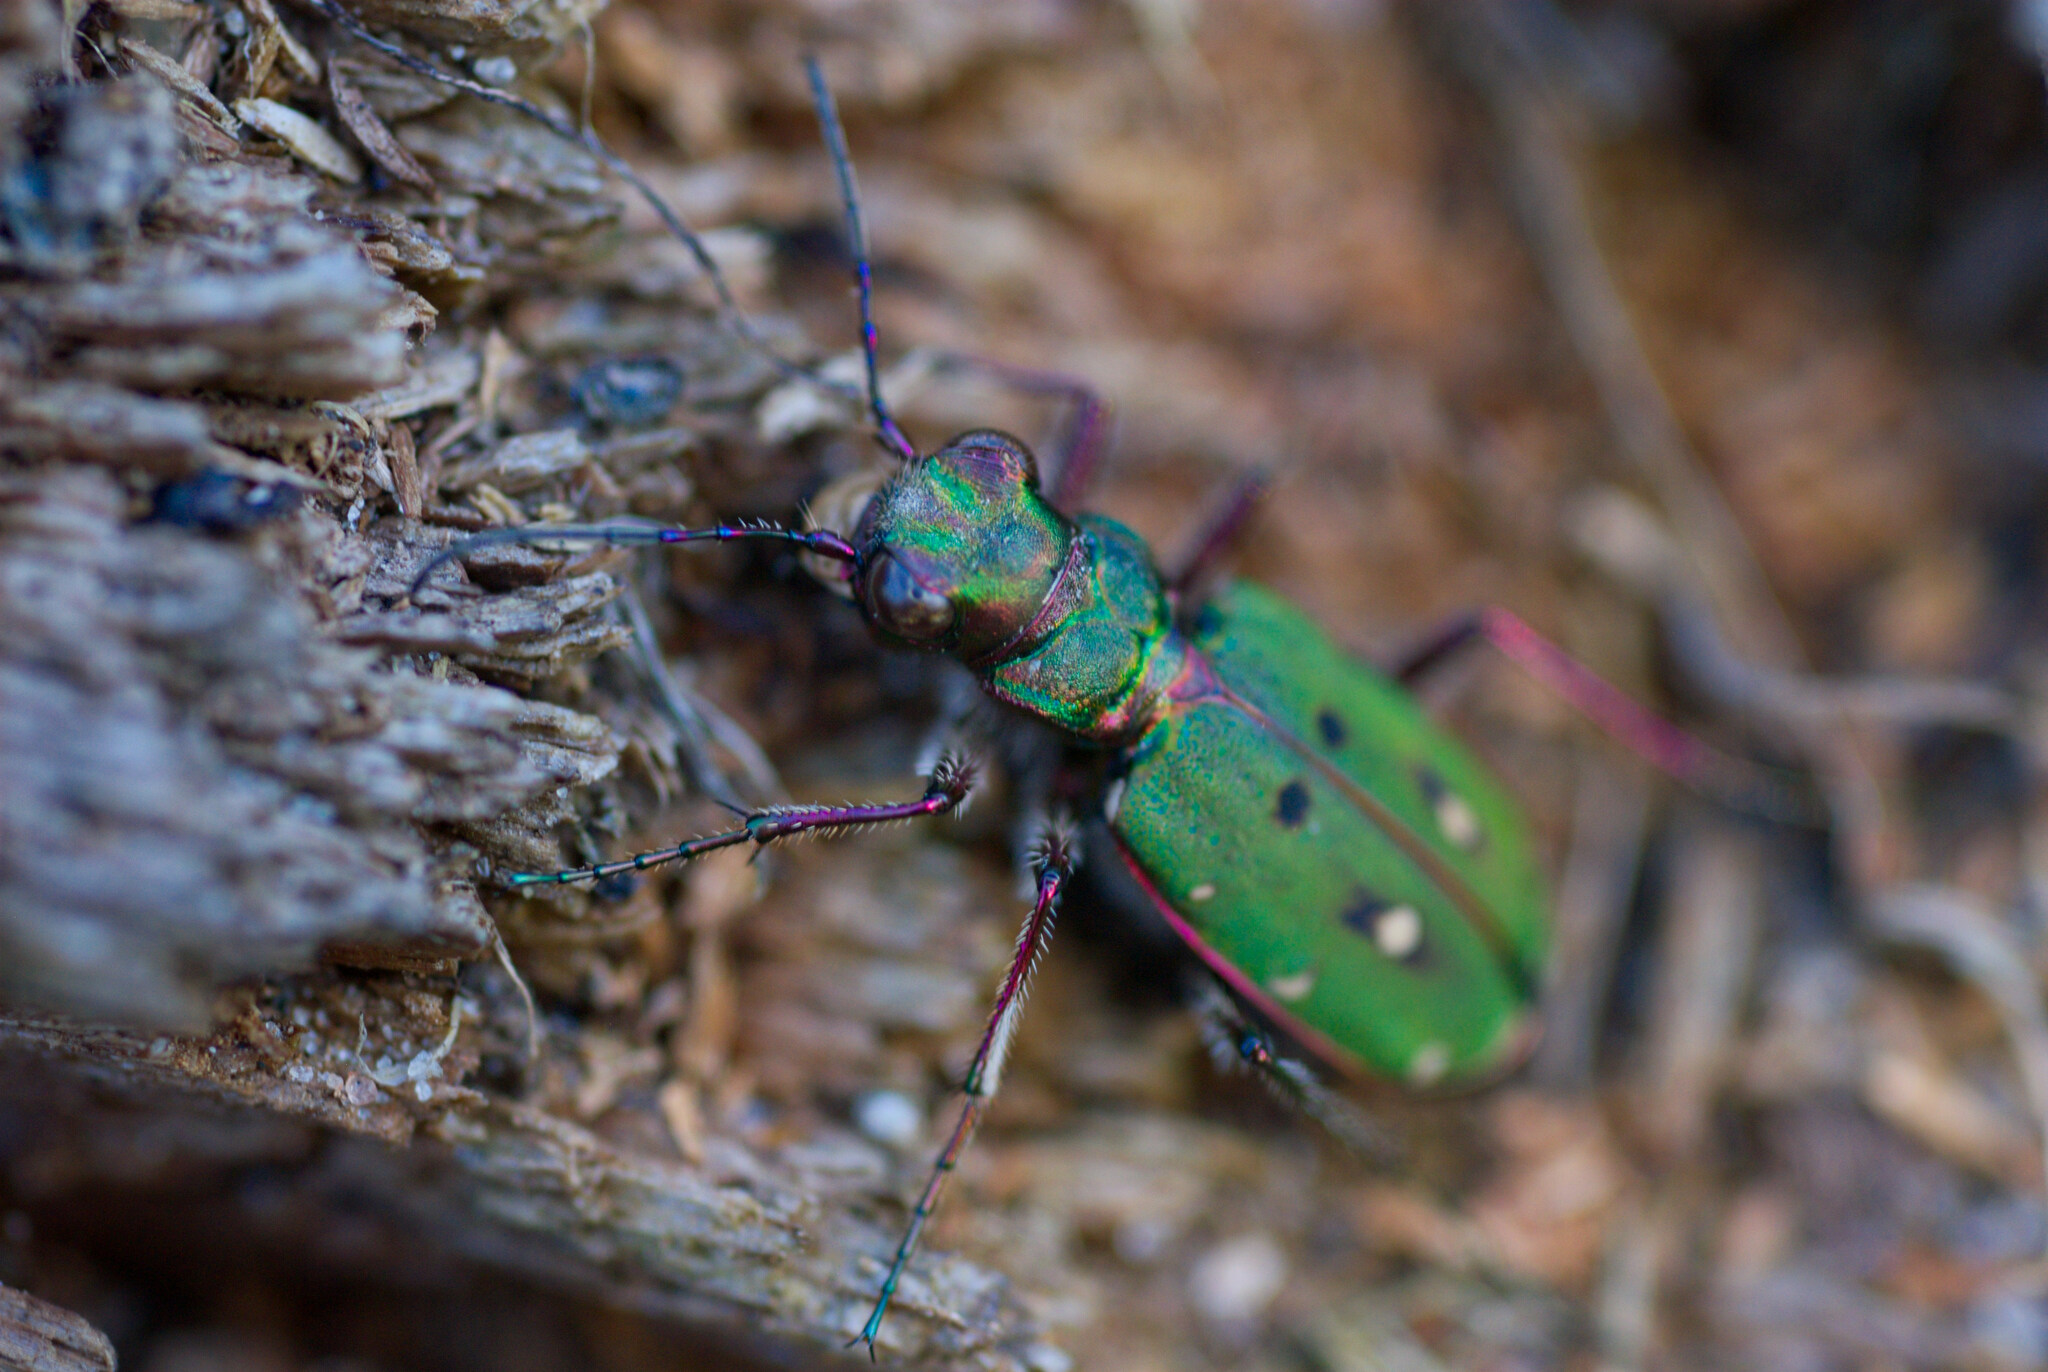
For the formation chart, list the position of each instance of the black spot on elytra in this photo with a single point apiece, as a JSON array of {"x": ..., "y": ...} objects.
[
  {"x": 1331, "y": 728},
  {"x": 1362, "y": 913},
  {"x": 1292, "y": 807},
  {"x": 1431, "y": 785},
  {"x": 1208, "y": 620}
]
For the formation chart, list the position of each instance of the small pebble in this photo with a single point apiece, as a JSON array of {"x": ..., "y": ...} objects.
[
  {"x": 1140, "y": 1242},
  {"x": 1234, "y": 1282},
  {"x": 1043, "y": 1357},
  {"x": 890, "y": 1118},
  {"x": 495, "y": 71}
]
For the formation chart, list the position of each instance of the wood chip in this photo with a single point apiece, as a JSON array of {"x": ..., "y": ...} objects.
[
  {"x": 160, "y": 11},
  {"x": 83, "y": 419},
  {"x": 1711, "y": 926},
  {"x": 403, "y": 458},
  {"x": 250, "y": 59},
  {"x": 201, "y": 59},
  {"x": 329, "y": 442},
  {"x": 291, "y": 63},
  {"x": 308, "y": 142},
  {"x": 431, "y": 383},
  {"x": 520, "y": 464},
  {"x": 182, "y": 83},
  {"x": 1947, "y": 1115},
  {"x": 36, "y": 1336},
  {"x": 371, "y": 133}
]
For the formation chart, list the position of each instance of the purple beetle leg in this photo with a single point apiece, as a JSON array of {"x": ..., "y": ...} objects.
[
  {"x": 1056, "y": 857},
  {"x": 1236, "y": 1044},
  {"x": 1080, "y": 446},
  {"x": 1660, "y": 743},
  {"x": 1217, "y": 536},
  {"x": 1692, "y": 762},
  {"x": 951, "y": 781},
  {"x": 1438, "y": 645}
]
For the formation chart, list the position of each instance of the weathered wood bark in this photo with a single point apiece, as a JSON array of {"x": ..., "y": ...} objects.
[{"x": 36, "y": 1336}]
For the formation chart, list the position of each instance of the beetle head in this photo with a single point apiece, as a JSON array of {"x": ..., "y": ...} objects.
[{"x": 957, "y": 550}]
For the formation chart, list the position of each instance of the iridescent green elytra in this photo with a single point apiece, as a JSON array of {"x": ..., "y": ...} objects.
[
  {"x": 1338, "y": 860},
  {"x": 1334, "y": 856}
]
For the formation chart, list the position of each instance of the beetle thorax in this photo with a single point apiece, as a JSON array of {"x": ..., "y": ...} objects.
[{"x": 1065, "y": 620}]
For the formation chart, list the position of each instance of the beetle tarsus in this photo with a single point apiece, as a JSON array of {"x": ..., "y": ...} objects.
[{"x": 1235, "y": 1042}]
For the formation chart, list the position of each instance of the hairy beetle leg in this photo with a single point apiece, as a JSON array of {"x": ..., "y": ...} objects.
[
  {"x": 1056, "y": 857},
  {"x": 952, "y": 780}
]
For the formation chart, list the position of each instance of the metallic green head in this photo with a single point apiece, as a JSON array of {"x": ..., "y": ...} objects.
[{"x": 958, "y": 551}]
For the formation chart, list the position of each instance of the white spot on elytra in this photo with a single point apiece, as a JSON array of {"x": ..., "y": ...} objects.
[
  {"x": 1397, "y": 932},
  {"x": 1203, "y": 892},
  {"x": 1429, "y": 1064},
  {"x": 1455, "y": 816},
  {"x": 1292, "y": 987}
]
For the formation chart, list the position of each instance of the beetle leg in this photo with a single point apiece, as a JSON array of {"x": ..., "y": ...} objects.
[
  {"x": 952, "y": 779},
  {"x": 1732, "y": 781},
  {"x": 1235, "y": 1043},
  {"x": 1657, "y": 741},
  {"x": 1437, "y": 645},
  {"x": 1055, "y": 857},
  {"x": 1217, "y": 535},
  {"x": 1080, "y": 446}
]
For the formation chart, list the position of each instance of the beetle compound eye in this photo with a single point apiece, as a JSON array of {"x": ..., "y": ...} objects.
[{"x": 902, "y": 605}]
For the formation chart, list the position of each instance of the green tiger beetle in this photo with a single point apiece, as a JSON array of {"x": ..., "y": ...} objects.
[{"x": 1353, "y": 878}]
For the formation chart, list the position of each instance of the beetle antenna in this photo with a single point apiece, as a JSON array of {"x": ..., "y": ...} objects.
[
  {"x": 823, "y": 542},
  {"x": 886, "y": 428}
]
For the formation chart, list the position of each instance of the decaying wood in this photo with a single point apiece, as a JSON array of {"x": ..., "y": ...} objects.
[
  {"x": 36, "y": 1336},
  {"x": 239, "y": 754}
]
